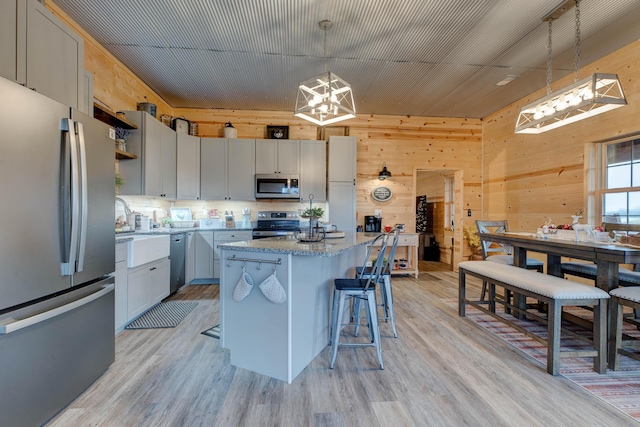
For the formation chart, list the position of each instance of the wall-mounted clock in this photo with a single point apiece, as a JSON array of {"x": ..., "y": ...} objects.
[{"x": 381, "y": 194}]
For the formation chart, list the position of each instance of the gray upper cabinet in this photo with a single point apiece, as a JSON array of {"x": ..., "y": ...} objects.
[
  {"x": 277, "y": 156},
  {"x": 227, "y": 169},
  {"x": 188, "y": 164},
  {"x": 313, "y": 170},
  {"x": 342, "y": 182},
  {"x": 213, "y": 168},
  {"x": 41, "y": 52},
  {"x": 9, "y": 48},
  {"x": 342, "y": 158},
  {"x": 153, "y": 173}
]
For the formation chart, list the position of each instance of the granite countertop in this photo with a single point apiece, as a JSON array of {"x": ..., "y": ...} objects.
[{"x": 279, "y": 245}]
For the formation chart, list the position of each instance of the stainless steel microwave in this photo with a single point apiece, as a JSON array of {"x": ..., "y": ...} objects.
[{"x": 277, "y": 186}]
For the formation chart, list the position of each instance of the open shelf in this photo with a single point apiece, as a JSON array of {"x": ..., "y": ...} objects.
[
  {"x": 109, "y": 117},
  {"x": 124, "y": 155}
]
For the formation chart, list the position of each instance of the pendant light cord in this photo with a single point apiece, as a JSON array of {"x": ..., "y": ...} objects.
[
  {"x": 325, "y": 49},
  {"x": 549, "y": 58},
  {"x": 578, "y": 52}
]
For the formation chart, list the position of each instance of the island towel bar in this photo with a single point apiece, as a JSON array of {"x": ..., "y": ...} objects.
[{"x": 259, "y": 261}]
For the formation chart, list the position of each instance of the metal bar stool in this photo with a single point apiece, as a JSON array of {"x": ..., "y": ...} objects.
[
  {"x": 386, "y": 291},
  {"x": 359, "y": 289}
]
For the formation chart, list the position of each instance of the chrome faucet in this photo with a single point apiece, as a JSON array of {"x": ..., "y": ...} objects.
[{"x": 127, "y": 211}]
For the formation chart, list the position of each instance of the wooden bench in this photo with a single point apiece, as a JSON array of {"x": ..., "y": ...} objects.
[
  {"x": 618, "y": 342},
  {"x": 553, "y": 291}
]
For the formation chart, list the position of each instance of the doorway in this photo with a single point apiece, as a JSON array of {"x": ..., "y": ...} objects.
[{"x": 444, "y": 191}]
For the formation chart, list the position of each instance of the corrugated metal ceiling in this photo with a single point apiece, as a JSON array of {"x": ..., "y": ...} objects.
[{"x": 402, "y": 57}]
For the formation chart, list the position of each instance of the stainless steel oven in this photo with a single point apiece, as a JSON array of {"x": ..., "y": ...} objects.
[
  {"x": 277, "y": 224},
  {"x": 277, "y": 186}
]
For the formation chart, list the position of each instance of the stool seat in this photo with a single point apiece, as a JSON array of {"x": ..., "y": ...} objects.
[
  {"x": 352, "y": 284},
  {"x": 631, "y": 293}
]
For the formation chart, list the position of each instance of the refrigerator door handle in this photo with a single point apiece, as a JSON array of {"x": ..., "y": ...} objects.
[
  {"x": 41, "y": 317},
  {"x": 83, "y": 196},
  {"x": 68, "y": 267}
]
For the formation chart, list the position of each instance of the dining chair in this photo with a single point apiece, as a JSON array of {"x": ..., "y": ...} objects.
[
  {"x": 363, "y": 290},
  {"x": 490, "y": 250},
  {"x": 386, "y": 290}
]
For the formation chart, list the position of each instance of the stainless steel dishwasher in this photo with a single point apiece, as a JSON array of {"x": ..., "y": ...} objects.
[{"x": 177, "y": 257}]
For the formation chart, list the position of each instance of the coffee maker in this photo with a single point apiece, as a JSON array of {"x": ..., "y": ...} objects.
[{"x": 372, "y": 223}]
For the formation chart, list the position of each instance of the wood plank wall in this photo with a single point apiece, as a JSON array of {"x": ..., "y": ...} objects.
[
  {"x": 406, "y": 144},
  {"x": 530, "y": 177}
]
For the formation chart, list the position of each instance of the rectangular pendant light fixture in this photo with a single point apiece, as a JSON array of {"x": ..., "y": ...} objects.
[{"x": 585, "y": 98}]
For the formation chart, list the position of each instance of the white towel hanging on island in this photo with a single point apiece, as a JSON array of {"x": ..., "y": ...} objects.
[
  {"x": 273, "y": 289},
  {"x": 243, "y": 287}
]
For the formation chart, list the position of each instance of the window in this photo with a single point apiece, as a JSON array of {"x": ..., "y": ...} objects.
[
  {"x": 449, "y": 205},
  {"x": 620, "y": 182}
]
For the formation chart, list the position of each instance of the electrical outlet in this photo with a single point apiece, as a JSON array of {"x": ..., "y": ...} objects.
[{"x": 378, "y": 212}]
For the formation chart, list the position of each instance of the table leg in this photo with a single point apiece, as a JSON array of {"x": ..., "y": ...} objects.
[
  {"x": 607, "y": 275},
  {"x": 554, "y": 266},
  {"x": 519, "y": 260}
]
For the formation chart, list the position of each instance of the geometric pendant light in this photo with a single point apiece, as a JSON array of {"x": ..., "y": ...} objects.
[{"x": 325, "y": 99}]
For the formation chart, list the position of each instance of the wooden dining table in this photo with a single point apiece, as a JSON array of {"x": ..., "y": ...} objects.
[{"x": 607, "y": 256}]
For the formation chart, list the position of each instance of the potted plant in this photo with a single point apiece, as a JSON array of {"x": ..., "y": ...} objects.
[
  {"x": 312, "y": 213},
  {"x": 119, "y": 182},
  {"x": 121, "y": 138},
  {"x": 473, "y": 240}
]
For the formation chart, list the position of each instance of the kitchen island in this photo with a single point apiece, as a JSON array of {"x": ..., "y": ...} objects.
[{"x": 281, "y": 339}]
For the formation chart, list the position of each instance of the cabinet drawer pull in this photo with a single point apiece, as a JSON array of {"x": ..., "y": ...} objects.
[{"x": 152, "y": 268}]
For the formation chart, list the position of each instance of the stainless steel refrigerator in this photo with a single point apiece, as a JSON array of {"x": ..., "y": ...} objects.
[{"x": 56, "y": 253}]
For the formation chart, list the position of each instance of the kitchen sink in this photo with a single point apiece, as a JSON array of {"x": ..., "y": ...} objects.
[{"x": 147, "y": 248}]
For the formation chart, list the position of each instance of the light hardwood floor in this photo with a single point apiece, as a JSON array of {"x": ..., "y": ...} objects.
[{"x": 442, "y": 370}]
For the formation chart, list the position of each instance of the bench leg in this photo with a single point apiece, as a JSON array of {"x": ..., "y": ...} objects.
[
  {"x": 553, "y": 342},
  {"x": 615, "y": 334},
  {"x": 461, "y": 292},
  {"x": 492, "y": 297},
  {"x": 599, "y": 336}
]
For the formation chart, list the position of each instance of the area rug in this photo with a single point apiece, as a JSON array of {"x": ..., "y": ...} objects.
[
  {"x": 212, "y": 332},
  {"x": 164, "y": 315},
  {"x": 620, "y": 389}
]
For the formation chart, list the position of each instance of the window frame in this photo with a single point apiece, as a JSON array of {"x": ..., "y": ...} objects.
[{"x": 602, "y": 169}]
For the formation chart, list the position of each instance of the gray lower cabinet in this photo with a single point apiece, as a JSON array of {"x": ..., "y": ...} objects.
[
  {"x": 203, "y": 254},
  {"x": 147, "y": 285},
  {"x": 226, "y": 236},
  {"x": 153, "y": 173},
  {"x": 121, "y": 315},
  {"x": 190, "y": 257},
  {"x": 41, "y": 52}
]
